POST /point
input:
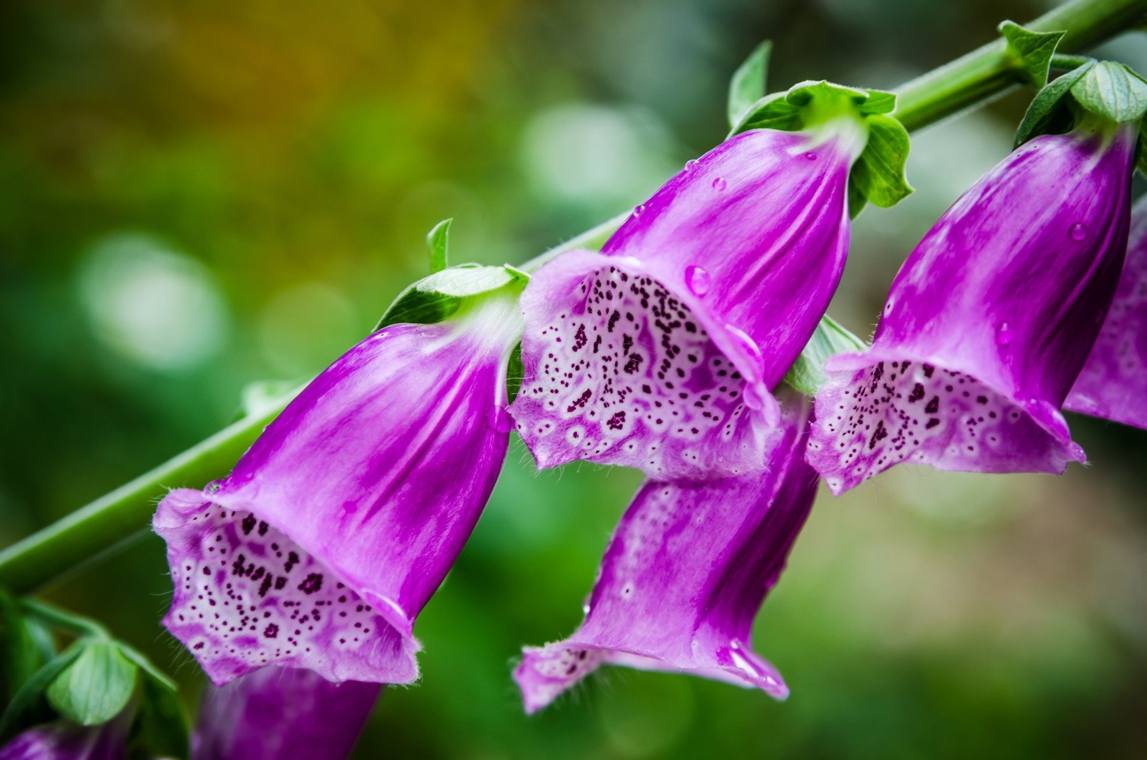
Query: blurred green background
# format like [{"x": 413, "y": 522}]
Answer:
[{"x": 195, "y": 195}]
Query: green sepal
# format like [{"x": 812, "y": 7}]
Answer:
[
  {"x": 25, "y": 646},
  {"x": 1031, "y": 51},
  {"x": 799, "y": 106},
  {"x": 438, "y": 241},
  {"x": 856, "y": 200},
  {"x": 1113, "y": 91},
  {"x": 28, "y": 706},
  {"x": 161, "y": 727},
  {"x": 830, "y": 338},
  {"x": 96, "y": 687},
  {"x": 1048, "y": 111},
  {"x": 750, "y": 82},
  {"x": 878, "y": 175},
  {"x": 437, "y": 297}
]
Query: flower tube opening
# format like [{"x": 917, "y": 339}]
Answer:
[
  {"x": 336, "y": 527},
  {"x": 988, "y": 322},
  {"x": 683, "y": 577},
  {"x": 661, "y": 351}
]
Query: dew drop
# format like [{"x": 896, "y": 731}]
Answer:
[
  {"x": 638, "y": 210},
  {"x": 810, "y": 156},
  {"x": 697, "y": 279},
  {"x": 213, "y": 487},
  {"x": 690, "y": 165},
  {"x": 1004, "y": 334},
  {"x": 719, "y": 184},
  {"x": 1077, "y": 232}
]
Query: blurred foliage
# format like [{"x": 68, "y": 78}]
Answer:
[{"x": 198, "y": 194}]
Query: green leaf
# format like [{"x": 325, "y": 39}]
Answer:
[
  {"x": 807, "y": 373},
  {"x": 856, "y": 200},
  {"x": 514, "y": 372},
  {"x": 878, "y": 174},
  {"x": 438, "y": 240},
  {"x": 25, "y": 646},
  {"x": 1048, "y": 111},
  {"x": 160, "y": 726},
  {"x": 1031, "y": 51},
  {"x": 435, "y": 298},
  {"x": 96, "y": 687},
  {"x": 878, "y": 101},
  {"x": 27, "y": 707},
  {"x": 749, "y": 82},
  {"x": 1113, "y": 91}
]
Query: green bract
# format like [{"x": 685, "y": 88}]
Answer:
[
  {"x": 1031, "y": 51},
  {"x": 438, "y": 240},
  {"x": 1105, "y": 89},
  {"x": 96, "y": 687},
  {"x": 442, "y": 294},
  {"x": 807, "y": 373},
  {"x": 749, "y": 82}
]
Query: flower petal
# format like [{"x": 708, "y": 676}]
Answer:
[
  {"x": 247, "y": 596},
  {"x": 660, "y": 352},
  {"x": 987, "y": 323},
  {"x": 630, "y": 376},
  {"x": 684, "y": 575},
  {"x": 878, "y": 409},
  {"x": 283, "y": 712},
  {"x": 1113, "y": 383}
]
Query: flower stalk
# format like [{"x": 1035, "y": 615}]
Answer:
[{"x": 118, "y": 518}]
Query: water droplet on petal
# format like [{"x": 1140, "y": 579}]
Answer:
[
  {"x": 697, "y": 279},
  {"x": 213, "y": 487},
  {"x": 810, "y": 156},
  {"x": 690, "y": 164},
  {"x": 1004, "y": 334},
  {"x": 719, "y": 184},
  {"x": 888, "y": 307},
  {"x": 638, "y": 210},
  {"x": 1078, "y": 232}
]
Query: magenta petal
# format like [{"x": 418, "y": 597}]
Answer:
[
  {"x": 281, "y": 713},
  {"x": 683, "y": 577},
  {"x": 659, "y": 353},
  {"x": 987, "y": 323},
  {"x": 247, "y": 596},
  {"x": 1113, "y": 383},
  {"x": 67, "y": 741},
  {"x": 374, "y": 476}
]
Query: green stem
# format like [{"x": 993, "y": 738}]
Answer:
[
  {"x": 988, "y": 71},
  {"x": 115, "y": 519}
]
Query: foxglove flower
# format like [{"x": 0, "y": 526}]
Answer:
[
  {"x": 988, "y": 322},
  {"x": 684, "y": 575},
  {"x": 660, "y": 351},
  {"x": 1113, "y": 383},
  {"x": 282, "y": 712},
  {"x": 63, "y": 740},
  {"x": 339, "y": 523}
]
